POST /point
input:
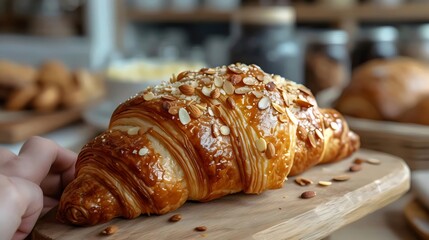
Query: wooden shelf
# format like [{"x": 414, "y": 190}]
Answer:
[
  {"x": 304, "y": 13},
  {"x": 198, "y": 15}
]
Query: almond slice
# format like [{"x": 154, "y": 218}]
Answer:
[
  {"x": 250, "y": 81},
  {"x": 228, "y": 87},
  {"x": 257, "y": 94},
  {"x": 278, "y": 108},
  {"x": 187, "y": 89},
  {"x": 242, "y": 90},
  {"x": 271, "y": 151},
  {"x": 264, "y": 103},
  {"x": 206, "y": 91},
  {"x": 194, "y": 111},
  {"x": 261, "y": 145},
  {"x": 184, "y": 116},
  {"x": 224, "y": 130},
  {"x": 148, "y": 96}
]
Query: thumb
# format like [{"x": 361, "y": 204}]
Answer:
[{"x": 22, "y": 202}]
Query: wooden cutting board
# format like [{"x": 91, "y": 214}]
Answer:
[
  {"x": 18, "y": 126},
  {"x": 275, "y": 214}
]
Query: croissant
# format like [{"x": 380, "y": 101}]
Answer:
[{"x": 199, "y": 137}]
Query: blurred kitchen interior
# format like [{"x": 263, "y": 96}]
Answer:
[
  {"x": 315, "y": 42},
  {"x": 304, "y": 36}
]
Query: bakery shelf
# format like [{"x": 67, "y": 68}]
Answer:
[{"x": 305, "y": 13}]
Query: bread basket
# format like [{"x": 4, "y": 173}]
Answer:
[{"x": 406, "y": 140}]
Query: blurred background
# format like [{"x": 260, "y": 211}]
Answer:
[{"x": 66, "y": 64}]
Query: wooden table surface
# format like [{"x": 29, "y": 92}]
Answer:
[{"x": 275, "y": 214}]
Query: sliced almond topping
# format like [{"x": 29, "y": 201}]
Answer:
[
  {"x": 215, "y": 130},
  {"x": 260, "y": 77},
  {"x": 264, "y": 103},
  {"x": 334, "y": 125},
  {"x": 133, "y": 130},
  {"x": 216, "y": 102},
  {"x": 234, "y": 69},
  {"x": 143, "y": 151},
  {"x": 242, "y": 90},
  {"x": 148, "y": 96},
  {"x": 173, "y": 78},
  {"x": 341, "y": 178},
  {"x": 206, "y": 91},
  {"x": 228, "y": 87},
  {"x": 373, "y": 161},
  {"x": 182, "y": 75},
  {"x": 267, "y": 79},
  {"x": 210, "y": 111},
  {"x": 231, "y": 103},
  {"x": 206, "y": 81},
  {"x": 285, "y": 98},
  {"x": 112, "y": 229},
  {"x": 168, "y": 98},
  {"x": 250, "y": 81},
  {"x": 235, "y": 79},
  {"x": 194, "y": 111},
  {"x": 303, "y": 181},
  {"x": 216, "y": 111},
  {"x": 257, "y": 94},
  {"x": 201, "y": 106},
  {"x": 261, "y": 145},
  {"x": 187, "y": 89},
  {"x": 303, "y": 102},
  {"x": 271, "y": 151},
  {"x": 173, "y": 110},
  {"x": 283, "y": 118},
  {"x": 319, "y": 134},
  {"x": 209, "y": 71},
  {"x": 184, "y": 116},
  {"x": 215, "y": 93},
  {"x": 325, "y": 183},
  {"x": 278, "y": 108},
  {"x": 291, "y": 116},
  {"x": 312, "y": 139},
  {"x": 271, "y": 86},
  {"x": 224, "y": 130},
  {"x": 304, "y": 90},
  {"x": 218, "y": 82}
]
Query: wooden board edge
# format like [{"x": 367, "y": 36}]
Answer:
[{"x": 390, "y": 192}]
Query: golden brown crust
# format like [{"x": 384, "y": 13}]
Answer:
[{"x": 204, "y": 135}]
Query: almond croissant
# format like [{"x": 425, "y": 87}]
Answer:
[{"x": 204, "y": 135}]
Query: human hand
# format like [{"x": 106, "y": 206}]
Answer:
[{"x": 31, "y": 184}]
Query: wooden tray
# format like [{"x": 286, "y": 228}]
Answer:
[
  {"x": 275, "y": 214},
  {"x": 418, "y": 218},
  {"x": 18, "y": 126}
]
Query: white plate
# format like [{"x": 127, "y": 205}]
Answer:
[{"x": 99, "y": 115}]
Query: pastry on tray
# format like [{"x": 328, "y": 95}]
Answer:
[
  {"x": 391, "y": 90},
  {"x": 51, "y": 87},
  {"x": 199, "y": 137}
]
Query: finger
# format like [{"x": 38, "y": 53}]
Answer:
[
  {"x": 21, "y": 204},
  {"x": 6, "y": 156},
  {"x": 52, "y": 186},
  {"x": 35, "y": 159}
]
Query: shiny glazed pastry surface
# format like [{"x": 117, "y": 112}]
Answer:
[{"x": 199, "y": 137}]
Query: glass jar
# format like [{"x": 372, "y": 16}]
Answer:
[
  {"x": 375, "y": 42},
  {"x": 415, "y": 42},
  {"x": 327, "y": 62},
  {"x": 264, "y": 36}
]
